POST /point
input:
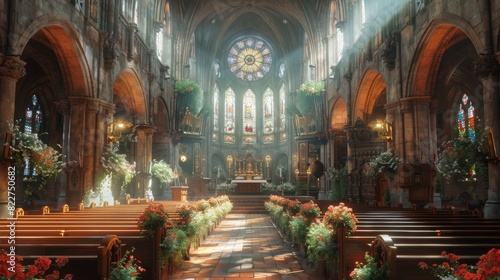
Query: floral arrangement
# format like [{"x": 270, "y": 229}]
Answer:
[
  {"x": 320, "y": 244},
  {"x": 186, "y": 211},
  {"x": 311, "y": 88},
  {"x": 459, "y": 156},
  {"x": 310, "y": 211},
  {"x": 487, "y": 268},
  {"x": 370, "y": 270},
  {"x": 202, "y": 205},
  {"x": 154, "y": 216},
  {"x": 191, "y": 96},
  {"x": 384, "y": 162},
  {"x": 115, "y": 163},
  {"x": 46, "y": 161},
  {"x": 127, "y": 268},
  {"x": 298, "y": 228},
  {"x": 340, "y": 216},
  {"x": 294, "y": 207},
  {"x": 42, "y": 268},
  {"x": 162, "y": 171},
  {"x": 175, "y": 246},
  {"x": 186, "y": 86},
  {"x": 226, "y": 187}
]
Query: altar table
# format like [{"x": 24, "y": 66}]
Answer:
[{"x": 248, "y": 186}]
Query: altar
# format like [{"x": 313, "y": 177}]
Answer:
[{"x": 248, "y": 186}]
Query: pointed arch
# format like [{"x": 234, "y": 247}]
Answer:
[
  {"x": 129, "y": 90},
  {"x": 370, "y": 92},
  {"x": 338, "y": 115}
]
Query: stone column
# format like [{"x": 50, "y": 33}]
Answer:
[
  {"x": 143, "y": 158},
  {"x": 487, "y": 68},
  {"x": 87, "y": 137},
  {"x": 11, "y": 70}
]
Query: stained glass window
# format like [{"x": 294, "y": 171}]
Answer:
[
  {"x": 268, "y": 115},
  {"x": 159, "y": 44},
  {"x": 340, "y": 44},
  {"x": 33, "y": 119},
  {"x": 250, "y": 59},
  {"x": 466, "y": 123},
  {"x": 249, "y": 120},
  {"x": 282, "y": 115},
  {"x": 215, "y": 135},
  {"x": 229, "y": 119}
]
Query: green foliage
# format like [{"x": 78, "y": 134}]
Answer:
[
  {"x": 115, "y": 163},
  {"x": 44, "y": 159},
  {"x": 191, "y": 96},
  {"x": 457, "y": 157},
  {"x": 384, "y": 162},
  {"x": 339, "y": 179},
  {"x": 320, "y": 244},
  {"x": 311, "y": 88},
  {"x": 175, "y": 246},
  {"x": 371, "y": 270},
  {"x": 162, "y": 171},
  {"x": 298, "y": 227},
  {"x": 127, "y": 268}
]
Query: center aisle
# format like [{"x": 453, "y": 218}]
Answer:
[{"x": 244, "y": 246}]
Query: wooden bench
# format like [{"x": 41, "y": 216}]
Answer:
[
  {"x": 88, "y": 258},
  {"x": 403, "y": 256},
  {"x": 418, "y": 235},
  {"x": 59, "y": 231}
]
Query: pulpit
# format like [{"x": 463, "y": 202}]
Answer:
[{"x": 179, "y": 193}]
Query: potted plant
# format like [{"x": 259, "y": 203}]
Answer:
[
  {"x": 153, "y": 217},
  {"x": 127, "y": 268},
  {"x": 190, "y": 97},
  {"x": 44, "y": 159},
  {"x": 386, "y": 163},
  {"x": 371, "y": 270},
  {"x": 307, "y": 97}
]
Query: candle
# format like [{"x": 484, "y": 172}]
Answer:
[
  {"x": 280, "y": 171},
  {"x": 218, "y": 171}
]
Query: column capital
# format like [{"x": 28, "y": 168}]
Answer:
[
  {"x": 486, "y": 65},
  {"x": 12, "y": 67}
]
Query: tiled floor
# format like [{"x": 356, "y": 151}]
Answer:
[{"x": 245, "y": 246}]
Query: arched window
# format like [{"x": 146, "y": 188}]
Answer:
[
  {"x": 466, "y": 124},
  {"x": 215, "y": 135},
  {"x": 33, "y": 120},
  {"x": 268, "y": 115},
  {"x": 340, "y": 44},
  {"x": 229, "y": 119},
  {"x": 159, "y": 44},
  {"x": 249, "y": 120},
  {"x": 282, "y": 113},
  {"x": 466, "y": 115}
]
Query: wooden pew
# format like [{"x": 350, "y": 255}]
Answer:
[
  {"x": 467, "y": 235},
  {"x": 403, "y": 256},
  {"x": 88, "y": 258}
]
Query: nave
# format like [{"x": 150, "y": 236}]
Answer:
[{"x": 245, "y": 246}]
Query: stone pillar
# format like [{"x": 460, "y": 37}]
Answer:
[
  {"x": 143, "y": 158},
  {"x": 409, "y": 132},
  {"x": 11, "y": 70},
  {"x": 86, "y": 138},
  {"x": 487, "y": 68}
]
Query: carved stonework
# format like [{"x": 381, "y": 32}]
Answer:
[
  {"x": 63, "y": 107},
  {"x": 12, "y": 67},
  {"x": 110, "y": 52},
  {"x": 389, "y": 53},
  {"x": 486, "y": 65}
]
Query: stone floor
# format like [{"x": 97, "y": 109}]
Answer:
[{"x": 245, "y": 246}]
